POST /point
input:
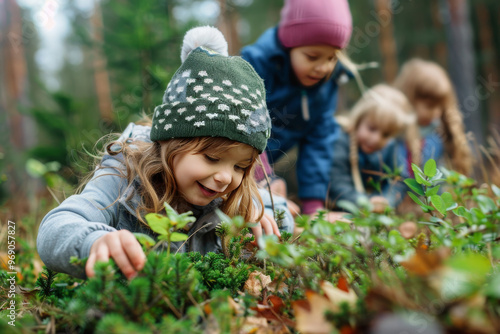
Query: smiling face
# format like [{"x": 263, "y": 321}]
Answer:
[
  {"x": 371, "y": 136},
  {"x": 204, "y": 176},
  {"x": 313, "y": 63}
]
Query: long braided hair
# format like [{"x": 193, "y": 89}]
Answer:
[
  {"x": 389, "y": 109},
  {"x": 421, "y": 79}
]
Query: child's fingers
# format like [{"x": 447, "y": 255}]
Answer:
[
  {"x": 293, "y": 207},
  {"x": 98, "y": 252},
  {"x": 257, "y": 232},
  {"x": 269, "y": 224},
  {"x": 117, "y": 244},
  {"x": 133, "y": 250},
  {"x": 89, "y": 266}
]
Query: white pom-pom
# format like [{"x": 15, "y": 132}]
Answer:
[{"x": 206, "y": 36}]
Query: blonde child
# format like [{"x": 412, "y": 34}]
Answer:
[
  {"x": 198, "y": 155},
  {"x": 298, "y": 61},
  {"x": 366, "y": 144},
  {"x": 440, "y": 122}
]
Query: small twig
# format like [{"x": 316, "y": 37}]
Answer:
[
  {"x": 195, "y": 303},
  {"x": 279, "y": 318},
  {"x": 178, "y": 249},
  {"x": 51, "y": 327},
  {"x": 53, "y": 195},
  {"x": 169, "y": 303},
  {"x": 127, "y": 306}
]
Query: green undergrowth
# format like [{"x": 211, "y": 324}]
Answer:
[{"x": 441, "y": 271}]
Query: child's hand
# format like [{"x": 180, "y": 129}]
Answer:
[
  {"x": 293, "y": 207},
  {"x": 278, "y": 187},
  {"x": 123, "y": 247},
  {"x": 380, "y": 203},
  {"x": 337, "y": 216},
  {"x": 268, "y": 224}
]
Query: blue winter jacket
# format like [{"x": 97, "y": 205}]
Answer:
[
  {"x": 105, "y": 206},
  {"x": 314, "y": 136},
  {"x": 432, "y": 148},
  {"x": 342, "y": 186}
]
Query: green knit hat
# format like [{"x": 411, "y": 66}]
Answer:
[{"x": 213, "y": 95}]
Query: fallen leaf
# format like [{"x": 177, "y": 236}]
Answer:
[
  {"x": 282, "y": 288},
  {"x": 237, "y": 308},
  {"x": 313, "y": 320},
  {"x": 267, "y": 312},
  {"x": 342, "y": 284},
  {"x": 423, "y": 263},
  {"x": 208, "y": 309},
  {"x": 254, "y": 325},
  {"x": 346, "y": 329},
  {"x": 256, "y": 282},
  {"x": 337, "y": 296},
  {"x": 276, "y": 303}
]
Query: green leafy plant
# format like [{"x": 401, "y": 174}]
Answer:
[
  {"x": 168, "y": 226},
  {"x": 338, "y": 277},
  {"x": 427, "y": 185}
]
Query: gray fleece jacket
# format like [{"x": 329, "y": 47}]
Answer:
[{"x": 105, "y": 205}]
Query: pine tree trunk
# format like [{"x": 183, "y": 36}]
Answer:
[
  {"x": 14, "y": 69},
  {"x": 228, "y": 25},
  {"x": 101, "y": 76},
  {"x": 17, "y": 131},
  {"x": 490, "y": 71},
  {"x": 462, "y": 63},
  {"x": 387, "y": 42}
]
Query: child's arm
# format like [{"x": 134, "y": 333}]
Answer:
[
  {"x": 394, "y": 192},
  {"x": 341, "y": 183},
  {"x": 432, "y": 148},
  {"x": 395, "y": 157},
  {"x": 72, "y": 228},
  {"x": 315, "y": 159}
]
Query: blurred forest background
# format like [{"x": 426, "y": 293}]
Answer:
[{"x": 116, "y": 57}]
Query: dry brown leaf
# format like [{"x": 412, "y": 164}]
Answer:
[
  {"x": 4, "y": 264},
  {"x": 282, "y": 288},
  {"x": 342, "y": 284},
  {"x": 254, "y": 325},
  {"x": 313, "y": 320},
  {"x": 237, "y": 308},
  {"x": 424, "y": 263},
  {"x": 208, "y": 309},
  {"x": 256, "y": 282},
  {"x": 337, "y": 296},
  {"x": 276, "y": 303}
]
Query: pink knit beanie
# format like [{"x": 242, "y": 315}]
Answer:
[{"x": 310, "y": 22}]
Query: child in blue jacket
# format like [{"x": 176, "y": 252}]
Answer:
[
  {"x": 440, "y": 123},
  {"x": 298, "y": 61},
  {"x": 366, "y": 144}
]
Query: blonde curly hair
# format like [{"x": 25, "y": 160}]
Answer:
[
  {"x": 389, "y": 109},
  {"x": 421, "y": 79}
]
